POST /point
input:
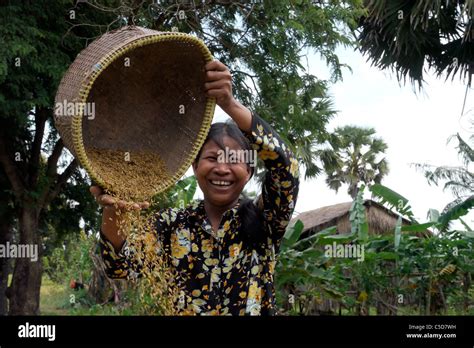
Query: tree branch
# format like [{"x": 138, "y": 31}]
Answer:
[
  {"x": 41, "y": 115},
  {"x": 11, "y": 170},
  {"x": 53, "y": 159},
  {"x": 252, "y": 78},
  {"x": 60, "y": 181}
]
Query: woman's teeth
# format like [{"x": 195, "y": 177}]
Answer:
[{"x": 220, "y": 183}]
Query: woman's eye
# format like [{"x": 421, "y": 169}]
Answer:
[{"x": 211, "y": 158}]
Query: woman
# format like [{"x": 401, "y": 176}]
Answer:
[{"x": 225, "y": 246}]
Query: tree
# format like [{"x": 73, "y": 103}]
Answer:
[
  {"x": 7, "y": 223},
  {"x": 33, "y": 59},
  {"x": 263, "y": 43},
  {"x": 408, "y": 35},
  {"x": 356, "y": 150},
  {"x": 458, "y": 179}
]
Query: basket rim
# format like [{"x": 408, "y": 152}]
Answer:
[{"x": 104, "y": 62}]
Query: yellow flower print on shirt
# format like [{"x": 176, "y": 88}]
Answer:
[
  {"x": 254, "y": 299},
  {"x": 180, "y": 243},
  {"x": 255, "y": 292},
  {"x": 234, "y": 250},
  {"x": 271, "y": 266},
  {"x": 265, "y": 154},
  {"x": 206, "y": 245},
  {"x": 294, "y": 168},
  {"x": 177, "y": 251}
]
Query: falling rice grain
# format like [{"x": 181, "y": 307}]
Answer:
[{"x": 133, "y": 177}]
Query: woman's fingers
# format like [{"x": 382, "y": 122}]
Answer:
[
  {"x": 100, "y": 197},
  {"x": 217, "y": 93},
  {"x": 95, "y": 190},
  {"x": 219, "y": 83},
  {"x": 108, "y": 201},
  {"x": 216, "y": 65},
  {"x": 218, "y": 75},
  {"x": 226, "y": 84},
  {"x": 144, "y": 205}
]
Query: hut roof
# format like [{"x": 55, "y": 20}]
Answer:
[{"x": 330, "y": 214}]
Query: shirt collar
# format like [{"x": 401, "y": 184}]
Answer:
[
  {"x": 202, "y": 210},
  {"x": 228, "y": 214}
]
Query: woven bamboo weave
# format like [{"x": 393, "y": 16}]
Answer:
[{"x": 147, "y": 88}]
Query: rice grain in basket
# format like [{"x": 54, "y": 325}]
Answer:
[{"x": 131, "y": 175}]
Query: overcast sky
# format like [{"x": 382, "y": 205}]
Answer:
[{"x": 415, "y": 126}]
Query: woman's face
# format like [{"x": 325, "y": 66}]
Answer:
[{"x": 220, "y": 181}]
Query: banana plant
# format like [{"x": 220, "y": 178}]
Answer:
[
  {"x": 437, "y": 220},
  {"x": 178, "y": 196},
  {"x": 304, "y": 273},
  {"x": 357, "y": 217},
  {"x": 393, "y": 199},
  {"x": 429, "y": 271}
]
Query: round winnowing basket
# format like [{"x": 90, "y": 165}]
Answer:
[{"x": 136, "y": 95}]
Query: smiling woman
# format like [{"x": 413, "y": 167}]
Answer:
[{"x": 223, "y": 248}]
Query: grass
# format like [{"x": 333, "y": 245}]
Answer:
[{"x": 53, "y": 298}]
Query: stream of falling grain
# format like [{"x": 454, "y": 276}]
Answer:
[{"x": 133, "y": 177}]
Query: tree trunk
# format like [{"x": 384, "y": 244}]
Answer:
[
  {"x": 428, "y": 299},
  {"x": 5, "y": 265},
  {"x": 24, "y": 293},
  {"x": 466, "y": 286}
]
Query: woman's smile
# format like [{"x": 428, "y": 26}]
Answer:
[{"x": 220, "y": 181}]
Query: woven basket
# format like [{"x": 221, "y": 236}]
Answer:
[{"x": 146, "y": 91}]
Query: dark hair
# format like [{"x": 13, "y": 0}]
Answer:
[{"x": 250, "y": 215}]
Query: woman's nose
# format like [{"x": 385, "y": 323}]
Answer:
[{"x": 222, "y": 168}]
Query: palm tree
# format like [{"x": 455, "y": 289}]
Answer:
[
  {"x": 459, "y": 180},
  {"x": 408, "y": 35},
  {"x": 356, "y": 150}
]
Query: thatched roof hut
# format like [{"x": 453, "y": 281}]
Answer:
[{"x": 380, "y": 219}]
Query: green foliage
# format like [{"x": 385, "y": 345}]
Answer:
[
  {"x": 404, "y": 271},
  {"x": 393, "y": 200},
  {"x": 178, "y": 196},
  {"x": 53, "y": 297},
  {"x": 400, "y": 204},
  {"x": 455, "y": 213},
  {"x": 353, "y": 159},
  {"x": 304, "y": 272},
  {"x": 405, "y": 36},
  {"x": 71, "y": 259},
  {"x": 357, "y": 217},
  {"x": 72, "y": 210},
  {"x": 292, "y": 234},
  {"x": 459, "y": 180}
]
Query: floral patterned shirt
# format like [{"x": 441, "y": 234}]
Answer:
[{"x": 224, "y": 274}]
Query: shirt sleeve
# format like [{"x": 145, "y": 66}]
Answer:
[
  {"x": 117, "y": 264},
  {"x": 125, "y": 263},
  {"x": 281, "y": 183}
]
